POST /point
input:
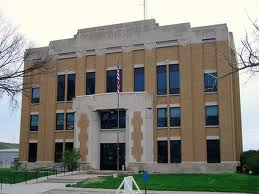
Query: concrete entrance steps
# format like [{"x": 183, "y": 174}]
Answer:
[
  {"x": 107, "y": 172},
  {"x": 72, "y": 177}
]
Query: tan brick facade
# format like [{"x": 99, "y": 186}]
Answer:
[{"x": 193, "y": 58}]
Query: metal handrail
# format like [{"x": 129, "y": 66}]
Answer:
[{"x": 54, "y": 169}]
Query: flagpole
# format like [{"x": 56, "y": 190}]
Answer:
[
  {"x": 118, "y": 136},
  {"x": 118, "y": 122}
]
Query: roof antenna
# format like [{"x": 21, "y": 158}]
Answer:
[{"x": 144, "y": 9}]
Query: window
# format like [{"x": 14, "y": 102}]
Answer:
[
  {"x": 59, "y": 121},
  {"x": 69, "y": 146},
  {"x": 210, "y": 82},
  {"x": 34, "y": 122},
  {"x": 161, "y": 117},
  {"x": 71, "y": 82},
  {"x": 61, "y": 88},
  {"x": 111, "y": 81},
  {"x": 161, "y": 80},
  {"x": 162, "y": 152},
  {"x": 174, "y": 79},
  {"x": 175, "y": 117},
  {"x": 35, "y": 95},
  {"x": 212, "y": 115},
  {"x": 58, "y": 151},
  {"x": 90, "y": 83},
  {"x": 139, "y": 81},
  {"x": 213, "y": 151},
  {"x": 32, "y": 157},
  {"x": 109, "y": 119},
  {"x": 175, "y": 148},
  {"x": 70, "y": 121}
]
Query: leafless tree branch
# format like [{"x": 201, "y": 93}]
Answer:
[
  {"x": 15, "y": 78},
  {"x": 248, "y": 54}
]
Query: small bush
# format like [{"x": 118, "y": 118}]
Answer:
[
  {"x": 250, "y": 161},
  {"x": 16, "y": 165},
  {"x": 70, "y": 159}
]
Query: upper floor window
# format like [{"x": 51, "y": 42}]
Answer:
[
  {"x": 35, "y": 95},
  {"x": 71, "y": 83},
  {"x": 109, "y": 119},
  {"x": 59, "y": 121},
  {"x": 70, "y": 121},
  {"x": 175, "y": 117},
  {"x": 61, "y": 88},
  {"x": 111, "y": 81},
  {"x": 212, "y": 115},
  {"x": 174, "y": 79},
  {"x": 139, "y": 80},
  {"x": 90, "y": 83},
  {"x": 213, "y": 151},
  {"x": 162, "y": 117},
  {"x": 34, "y": 122},
  {"x": 161, "y": 80},
  {"x": 210, "y": 82}
]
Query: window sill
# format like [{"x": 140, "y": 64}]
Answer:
[
  {"x": 174, "y": 94},
  {"x": 162, "y": 128},
  {"x": 33, "y": 131},
  {"x": 164, "y": 95},
  {"x": 59, "y": 102},
  {"x": 178, "y": 127},
  {"x": 211, "y": 92},
  {"x": 211, "y": 126},
  {"x": 63, "y": 130},
  {"x": 121, "y": 129},
  {"x": 35, "y": 104}
]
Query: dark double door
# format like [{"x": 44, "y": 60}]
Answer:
[{"x": 108, "y": 156}]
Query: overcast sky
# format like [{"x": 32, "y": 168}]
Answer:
[{"x": 43, "y": 21}]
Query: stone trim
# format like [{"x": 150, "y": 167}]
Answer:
[
  {"x": 211, "y": 103},
  {"x": 33, "y": 141},
  {"x": 174, "y": 105},
  {"x": 138, "y": 65},
  {"x": 34, "y": 113},
  {"x": 212, "y": 137},
  {"x": 162, "y": 139},
  {"x": 175, "y": 138}
]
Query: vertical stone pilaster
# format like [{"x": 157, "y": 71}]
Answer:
[
  {"x": 137, "y": 136},
  {"x": 83, "y": 136},
  {"x": 186, "y": 103},
  {"x": 198, "y": 113},
  {"x": 100, "y": 85}
]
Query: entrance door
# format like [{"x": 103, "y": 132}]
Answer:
[{"x": 108, "y": 156}]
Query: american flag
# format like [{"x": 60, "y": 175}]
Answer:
[{"x": 118, "y": 78}]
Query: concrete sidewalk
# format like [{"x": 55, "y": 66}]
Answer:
[
  {"x": 31, "y": 188},
  {"x": 112, "y": 191}
]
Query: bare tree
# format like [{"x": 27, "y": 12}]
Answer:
[
  {"x": 13, "y": 51},
  {"x": 248, "y": 55}
]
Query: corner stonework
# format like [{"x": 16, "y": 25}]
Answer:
[
  {"x": 137, "y": 136},
  {"x": 83, "y": 136}
]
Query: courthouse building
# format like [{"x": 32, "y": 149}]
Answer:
[{"x": 175, "y": 114}]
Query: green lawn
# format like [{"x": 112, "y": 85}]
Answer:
[
  {"x": 8, "y": 146},
  {"x": 186, "y": 182},
  {"x": 11, "y": 176}
]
